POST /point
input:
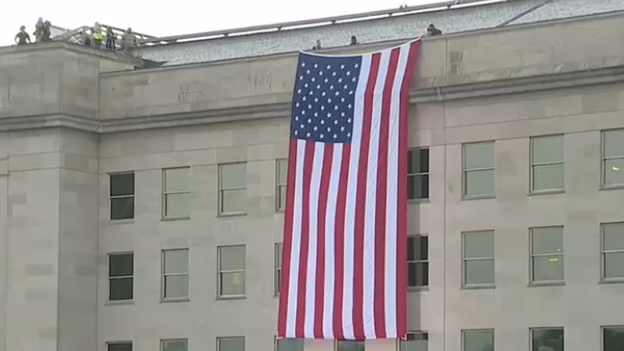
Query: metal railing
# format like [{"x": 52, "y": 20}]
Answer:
[{"x": 445, "y": 5}]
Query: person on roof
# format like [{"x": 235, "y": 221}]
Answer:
[
  {"x": 318, "y": 45},
  {"x": 22, "y": 37},
  {"x": 128, "y": 41},
  {"x": 110, "y": 38},
  {"x": 46, "y": 34},
  {"x": 432, "y": 30},
  {"x": 39, "y": 30},
  {"x": 96, "y": 31},
  {"x": 353, "y": 40}
]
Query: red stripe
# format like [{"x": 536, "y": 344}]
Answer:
[
  {"x": 326, "y": 173},
  {"x": 360, "y": 202},
  {"x": 402, "y": 191},
  {"x": 287, "y": 246},
  {"x": 308, "y": 159},
  {"x": 380, "y": 207},
  {"x": 341, "y": 203}
]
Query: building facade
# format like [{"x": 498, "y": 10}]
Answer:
[{"x": 140, "y": 209}]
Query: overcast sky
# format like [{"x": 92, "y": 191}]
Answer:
[{"x": 176, "y": 17}]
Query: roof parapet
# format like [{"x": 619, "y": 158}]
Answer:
[{"x": 276, "y": 27}]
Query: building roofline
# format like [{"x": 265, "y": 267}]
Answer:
[{"x": 317, "y": 22}]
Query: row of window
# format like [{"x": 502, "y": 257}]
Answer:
[
  {"x": 549, "y": 338},
  {"x": 478, "y": 261},
  {"x": 478, "y": 180}
]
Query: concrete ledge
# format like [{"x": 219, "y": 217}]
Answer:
[
  {"x": 282, "y": 110},
  {"x": 61, "y": 45}
]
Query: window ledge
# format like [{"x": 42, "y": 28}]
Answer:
[
  {"x": 546, "y": 283},
  {"x": 546, "y": 192},
  {"x": 478, "y": 197},
  {"x": 232, "y": 214},
  {"x": 612, "y": 187},
  {"x": 120, "y": 221},
  {"x": 417, "y": 288},
  {"x": 119, "y": 303},
  {"x": 418, "y": 201},
  {"x": 225, "y": 298},
  {"x": 169, "y": 219},
  {"x": 183, "y": 299},
  {"x": 478, "y": 287},
  {"x": 612, "y": 281}
]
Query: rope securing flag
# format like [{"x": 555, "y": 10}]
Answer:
[{"x": 343, "y": 272}]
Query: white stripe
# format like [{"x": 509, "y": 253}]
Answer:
[
  {"x": 315, "y": 184},
  {"x": 330, "y": 235},
  {"x": 371, "y": 197},
  {"x": 391, "y": 198},
  {"x": 358, "y": 115},
  {"x": 293, "y": 293}
]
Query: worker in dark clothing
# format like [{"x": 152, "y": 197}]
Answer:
[
  {"x": 22, "y": 37},
  {"x": 110, "y": 38},
  {"x": 432, "y": 30},
  {"x": 353, "y": 40}
]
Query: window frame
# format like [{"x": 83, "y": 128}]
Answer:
[
  {"x": 413, "y": 332},
  {"x": 119, "y": 342},
  {"x": 219, "y": 338},
  {"x": 532, "y": 255},
  {"x": 109, "y": 278},
  {"x": 164, "y": 275},
  {"x": 221, "y": 272},
  {"x": 466, "y": 170},
  {"x": 277, "y": 271},
  {"x": 603, "y": 328},
  {"x": 603, "y": 254},
  {"x": 463, "y": 336},
  {"x": 464, "y": 284},
  {"x": 221, "y": 190},
  {"x": 531, "y": 330},
  {"x": 163, "y": 341},
  {"x": 279, "y": 207},
  {"x": 533, "y": 164},
  {"x": 165, "y": 193},
  {"x": 337, "y": 343},
  {"x": 419, "y": 261},
  {"x": 604, "y": 158},
  {"x": 420, "y": 174},
  {"x": 276, "y": 340},
  {"x": 111, "y": 197}
]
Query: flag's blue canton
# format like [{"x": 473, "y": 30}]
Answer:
[{"x": 324, "y": 98}]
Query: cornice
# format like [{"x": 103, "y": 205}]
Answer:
[{"x": 541, "y": 83}]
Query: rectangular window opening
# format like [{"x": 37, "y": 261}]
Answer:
[
  {"x": 418, "y": 174},
  {"x": 121, "y": 195},
  {"x": 231, "y": 271},
  {"x": 417, "y": 261},
  {"x": 478, "y": 169},
  {"x": 546, "y": 254},
  {"x": 176, "y": 192},
  {"x": 175, "y": 280},
  {"x": 478, "y": 258},
  {"x": 233, "y": 188},
  {"x": 120, "y": 276},
  {"x": 547, "y": 165}
]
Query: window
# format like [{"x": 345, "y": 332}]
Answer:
[
  {"x": 613, "y": 251},
  {"x": 121, "y": 196},
  {"x": 550, "y": 339},
  {"x": 612, "y": 338},
  {"x": 280, "y": 179},
  {"x": 415, "y": 341},
  {"x": 278, "y": 268},
  {"x": 546, "y": 254},
  {"x": 174, "y": 345},
  {"x": 478, "y": 340},
  {"x": 175, "y": 274},
  {"x": 418, "y": 174},
  {"x": 119, "y": 346},
  {"x": 478, "y": 258},
  {"x": 233, "y": 188},
  {"x": 478, "y": 169},
  {"x": 176, "y": 193},
  {"x": 289, "y": 345},
  {"x": 613, "y": 158},
  {"x": 120, "y": 276},
  {"x": 417, "y": 260},
  {"x": 231, "y": 271},
  {"x": 547, "y": 163},
  {"x": 231, "y": 344},
  {"x": 350, "y": 345}
]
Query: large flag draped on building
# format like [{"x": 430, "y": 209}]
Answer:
[{"x": 344, "y": 265}]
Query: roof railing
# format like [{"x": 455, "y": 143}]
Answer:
[{"x": 276, "y": 27}]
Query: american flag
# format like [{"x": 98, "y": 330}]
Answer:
[{"x": 343, "y": 270}]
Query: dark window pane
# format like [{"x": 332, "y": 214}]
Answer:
[
  {"x": 424, "y": 248},
  {"x": 417, "y": 248},
  {"x": 613, "y": 339},
  {"x": 418, "y": 161},
  {"x": 122, "y": 208},
  {"x": 120, "y": 289},
  {"x": 547, "y": 339},
  {"x": 348, "y": 345},
  {"x": 290, "y": 345},
  {"x": 122, "y": 184},
  {"x": 126, "y": 346},
  {"x": 418, "y": 186},
  {"x": 120, "y": 265},
  {"x": 418, "y": 274},
  {"x": 415, "y": 342},
  {"x": 478, "y": 340}
]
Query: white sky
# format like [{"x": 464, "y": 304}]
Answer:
[{"x": 176, "y": 17}]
